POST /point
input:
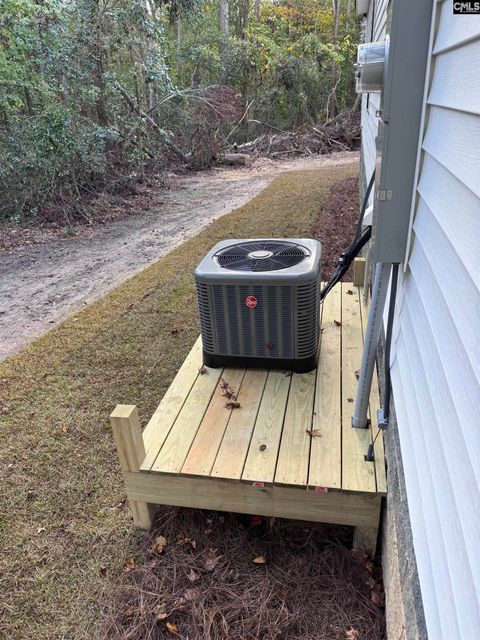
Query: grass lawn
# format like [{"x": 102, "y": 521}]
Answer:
[{"x": 66, "y": 532}]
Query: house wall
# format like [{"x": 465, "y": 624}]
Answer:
[{"x": 435, "y": 362}]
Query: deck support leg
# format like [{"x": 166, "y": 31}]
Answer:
[
  {"x": 131, "y": 452},
  {"x": 365, "y": 538}
]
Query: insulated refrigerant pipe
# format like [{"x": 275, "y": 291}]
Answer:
[{"x": 372, "y": 336}]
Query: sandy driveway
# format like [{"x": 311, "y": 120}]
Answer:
[{"x": 41, "y": 284}]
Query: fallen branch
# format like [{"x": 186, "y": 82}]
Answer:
[{"x": 168, "y": 143}]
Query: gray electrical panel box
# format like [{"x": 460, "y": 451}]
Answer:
[{"x": 399, "y": 133}]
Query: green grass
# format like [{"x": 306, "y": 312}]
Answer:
[{"x": 66, "y": 532}]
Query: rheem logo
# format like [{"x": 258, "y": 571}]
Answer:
[{"x": 251, "y": 302}]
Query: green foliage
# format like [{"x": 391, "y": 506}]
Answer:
[{"x": 94, "y": 90}]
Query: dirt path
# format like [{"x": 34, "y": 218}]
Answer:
[{"x": 42, "y": 284}]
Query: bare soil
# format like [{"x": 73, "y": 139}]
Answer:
[{"x": 47, "y": 275}]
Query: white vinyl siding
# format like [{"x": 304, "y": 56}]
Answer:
[
  {"x": 436, "y": 352},
  {"x": 376, "y": 30}
]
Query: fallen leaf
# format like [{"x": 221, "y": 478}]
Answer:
[
  {"x": 203, "y": 370},
  {"x": 160, "y": 544},
  {"x": 314, "y": 433},
  {"x": 129, "y": 566},
  {"x": 40, "y": 530},
  {"x": 31, "y": 495},
  {"x": 193, "y": 576},
  {"x": 161, "y": 615},
  {"x": 259, "y": 560},
  {"x": 350, "y": 292},
  {"x": 337, "y": 323},
  {"x": 351, "y": 634},
  {"x": 172, "y": 628},
  {"x": 228, "y": 391},
  {"x": 211, "y": 560},
  {"x": 191, "y": 594},
  {"x": 181, "y": 539},
  {"x": 262, "y": 447},
  {"x": 357, "y": 374},
  {"x": 103, "y": 570},
  {"x": 64, "y": 428},
  {"x": 174, "y": 332},
  {"x": 256, "y": 521},
  {"x": 232, "y": 404},
  {"x": 349, "y": 399}
]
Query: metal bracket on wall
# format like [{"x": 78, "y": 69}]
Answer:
[{"x": 384, "y": 194}]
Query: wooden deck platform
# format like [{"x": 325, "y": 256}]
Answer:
[{"x": 288, "y": 450}]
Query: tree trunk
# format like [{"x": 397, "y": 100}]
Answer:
[
  {"x": 256, "y": 9},
  {"x": 224, "y": 17},
  {"x": 332, "y": 98}
]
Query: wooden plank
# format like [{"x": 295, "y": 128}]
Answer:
[
  {"x": 358, "y": 271},
  {"x": 378, "y": 447},
  {"x": 162, "y": 420},
  {"x": 326, "y": 450},
  {"x": 284, "y": 502},
  {"x": 294, "y": 453},
  {"x": 236, "y": 440},
  {"x": 128, "y": 440},
  {"x": 207, "y": 440},
  {"x": 357, "y": 474},
  {"x": 263, "y": 450},
  {"x": 177, "y": 444}
]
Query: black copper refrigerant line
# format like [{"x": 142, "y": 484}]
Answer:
[
  {"x": 388, "y": 345},
  {"x": 359, "y": 241}
]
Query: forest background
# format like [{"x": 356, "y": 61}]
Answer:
[{"x": 95, "y": 95}]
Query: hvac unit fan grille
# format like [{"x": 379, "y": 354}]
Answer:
[{"x": 261, "y": 256}]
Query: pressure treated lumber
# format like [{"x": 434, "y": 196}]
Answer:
[
  {"x": 233, "y": 450},
  {"x": 283, "y": 502},
  {"x": 207, "y": 440},
  {"x": 326, "y": 446},
  {"x": 357, "y": 474},
  {"x": 177, "y": 444},
  {"x": 358, "y": 271},
  {"x": 165, "y": 415},
  {"x": 263, "y": 451},
  {"x": 131, "y": 451},
  {"x": 293, "y": 456},
  {"x": 287, "y": 451}
]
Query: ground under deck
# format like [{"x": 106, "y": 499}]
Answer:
[{"x": 288, "y": 450}]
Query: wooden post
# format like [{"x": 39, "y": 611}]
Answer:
[
  {"x": 131, "y": 452},
  {"x": 358, "y": 271},
  {"x": 365, "y": 538}
]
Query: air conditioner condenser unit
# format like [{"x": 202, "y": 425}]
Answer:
[{"x": 259, "y": 302}]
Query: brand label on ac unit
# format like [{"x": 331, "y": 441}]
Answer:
[{"x": 251, "y": 302}]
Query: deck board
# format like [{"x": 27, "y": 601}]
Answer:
[
  {"x": 263, "y": 452},
  {"x": 202, "y": 454},
  {"x": 177, "y": 444},
  {"x": 162, "y": 420},
  {"x": 266, "y": 441},
  {"x": 233, "y": 450},
  {"x": 357, "y": 474},
  {"x": 294, "y": 453},
  {"x": 326, "y": 446}
]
